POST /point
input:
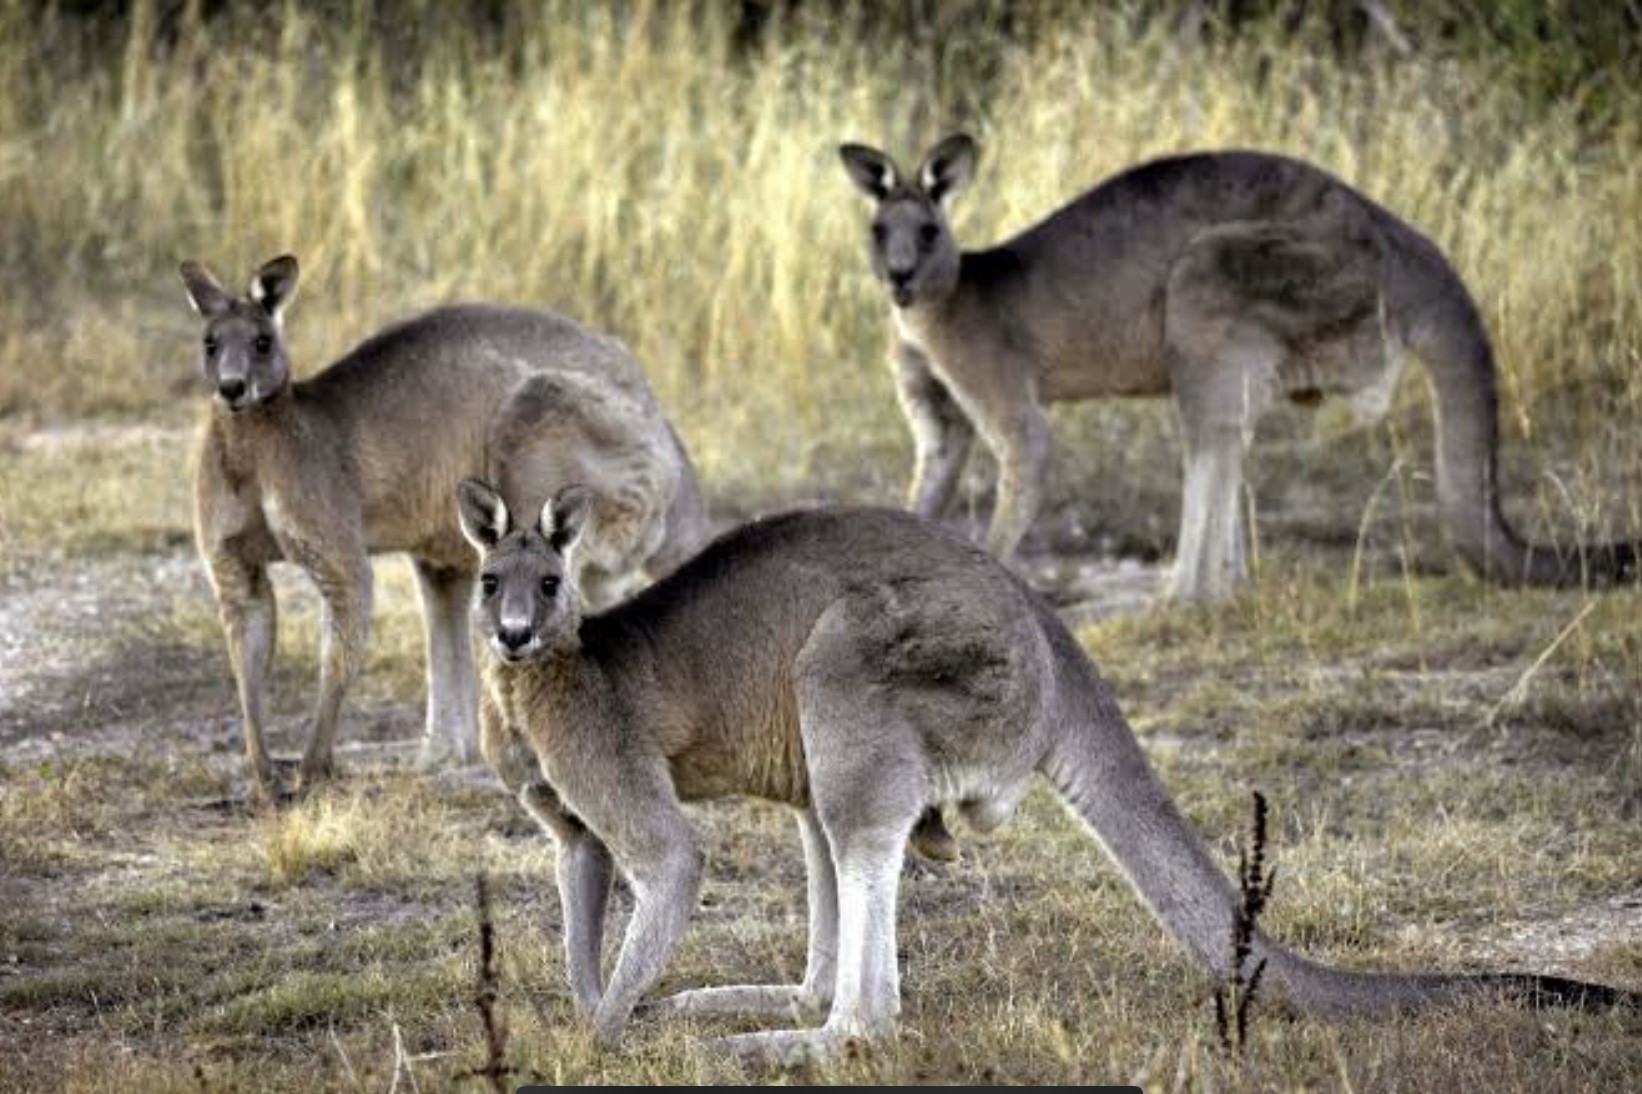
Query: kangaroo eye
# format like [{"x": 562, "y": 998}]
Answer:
[
  {"x": 264, "y": 343},
  {"x": 879, "y": 233},
  {"x": 210, "y": 346},
  {"x": 488, "y": 584},
  {"x": 928, "y": 234},
  {"x": 550, "y": 587}
]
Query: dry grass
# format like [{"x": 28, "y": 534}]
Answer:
[
  {"x": 152, "y": 935},
  {"x": 628, "y": 166},
  {"x": 151, "y": 932},
  {"x": 1446, "y": 762}
]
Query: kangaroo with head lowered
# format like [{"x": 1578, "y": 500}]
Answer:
[
  {"x": 363, "y": 459},
  {"x": 862, "y": 667},
  {"x": 1228, "y": 280}
]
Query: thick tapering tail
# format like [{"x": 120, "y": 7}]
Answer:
[
  {"x": 1535, "y": 992},
  {"x": 1104, "y": 777},
  {"x": 1338, "y": 993},
  {"x": 1434, "y": 315}
]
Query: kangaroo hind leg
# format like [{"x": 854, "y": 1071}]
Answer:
[
  {"x": 1220, "y": 393},
  {"x": 343, "y": 575},
  {"x": 452, "y": 727},
  {"x": 867, "y": 783},
  {"x": 791, "y": 1001}
]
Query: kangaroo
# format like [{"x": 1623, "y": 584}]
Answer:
[
  {"x": 1229, "y": 279},
  {"x": 363, "y": 457},
  {"x": 860, "y": 666}
]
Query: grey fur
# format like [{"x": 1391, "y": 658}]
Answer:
[
  {"x": 862, "y": 667},
  {"x": 1228, "y": 280},
  {"x": 363, "y": 458}
]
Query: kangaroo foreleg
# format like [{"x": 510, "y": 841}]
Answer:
[
  {"x": 1019, "y": 437},
  {"x": 941, "y": 434},
  {"x": 584, "y": 875},
  {"x": 584, "y": 870},
  {"x": 249, "y": 614}
]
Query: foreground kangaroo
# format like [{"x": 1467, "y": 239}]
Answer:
[
  {"x": 1227, "y": 279},
  {"x": 861, "y": 666},
  {"x": 364, "y": 457}
]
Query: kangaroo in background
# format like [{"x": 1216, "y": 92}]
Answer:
[
  {"x": 363, "y": 459},
  {"x": 1228, "y": 279},
  {"x": 862, "y": 667}
]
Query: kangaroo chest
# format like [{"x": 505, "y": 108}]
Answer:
[
  {"x": 1068, "y": 353},
  {"x": 967, "y": 357}
]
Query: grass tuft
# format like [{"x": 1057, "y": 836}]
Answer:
[{"x": 318, "y": 837}]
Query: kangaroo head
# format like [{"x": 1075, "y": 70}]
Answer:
[
  {"x": 913, "y": 250},
  {"x": 243, "y": 350},
  {"x": 527, "y": 602}
]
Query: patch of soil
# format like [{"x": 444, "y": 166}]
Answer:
[
  {"x": 1562, "y": 944},
  {"x": 58, "y": 668}
]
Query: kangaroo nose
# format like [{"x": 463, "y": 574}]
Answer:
[
  {"x": 900, "y": 278},
  {"x": 513, "y": 639},
  {"x": 231, "y": 389}
]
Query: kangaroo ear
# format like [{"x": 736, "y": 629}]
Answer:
[
  {"x": 948, "y": 167},
  {"x": 565, "y": 516},
  {"x": 275, "y": 284},
  {"x": 873, "y": 173},
  {"x": 204, "y": 292},
  {"x": 483, "y": 514}
]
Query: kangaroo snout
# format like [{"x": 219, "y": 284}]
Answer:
[
  {"x": 900, "y": 285},
  {"x": 231, "y": 390},
  {"x": 513, "y": 644}
]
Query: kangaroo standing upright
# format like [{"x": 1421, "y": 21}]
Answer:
[
  {"x": 363, "y": 458},
  {"x": 862, "y": 667},
  {"x": 1228, "y": 279}
]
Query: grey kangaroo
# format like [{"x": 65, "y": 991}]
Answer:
[
  {"x": 862, "y": 667},
  {"x": 1227, "y": 279},
  {"x": 363, "y": 459}
]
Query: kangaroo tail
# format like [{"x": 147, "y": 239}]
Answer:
[
  {"x": 1105, "y": 779},
  {"x": 1439, "y": 321},
  {"x": 1535, "y": 991}
]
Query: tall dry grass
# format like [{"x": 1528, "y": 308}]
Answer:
[{"x": 632, "y": 167}]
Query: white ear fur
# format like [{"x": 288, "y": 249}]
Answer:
[
  {"x": 948, "y": 167},
  {"x": 274, "y": 285},
  {"x": 482, "y": 514},
  {"x": 205, "y": 295},
  {"x": 872, "y": 172},
  {"x": 564, "y": 517}
]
